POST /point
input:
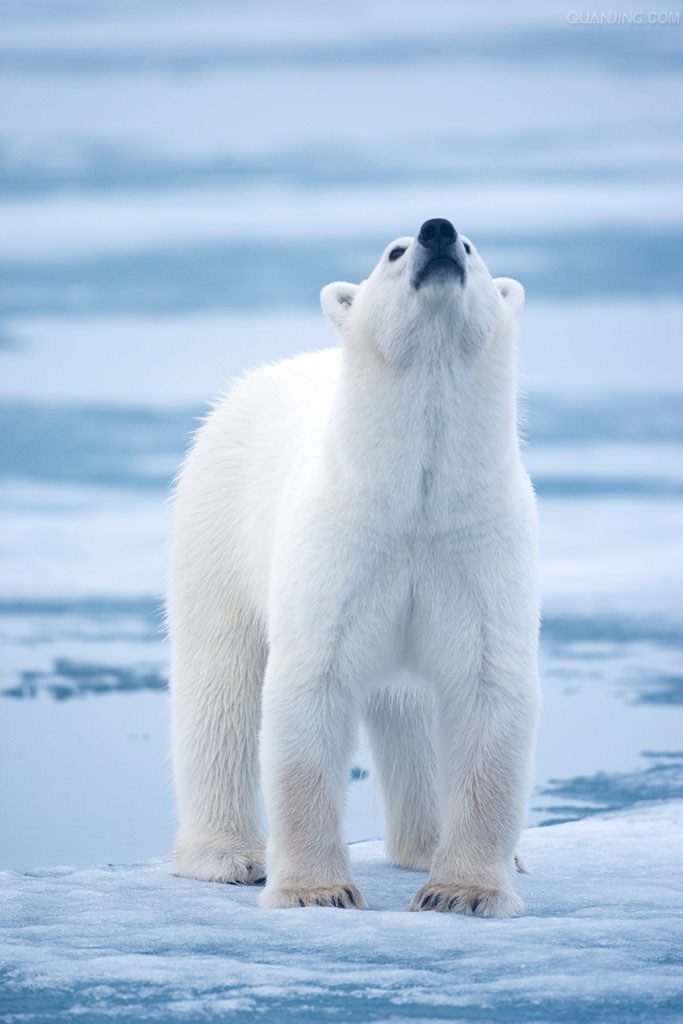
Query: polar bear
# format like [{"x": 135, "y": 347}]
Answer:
[{"x": 354, "y": 540}]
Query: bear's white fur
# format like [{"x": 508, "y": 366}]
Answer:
[{"x": 355, "y": 541}]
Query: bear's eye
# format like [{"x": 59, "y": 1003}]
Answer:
[
  {"x": 468, "y": 248},
  {"x": 396, "y": 253}
]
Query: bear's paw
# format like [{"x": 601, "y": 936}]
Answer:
[
  {"x": 211, "y": 862},
  {"x": 475, "y": 900},
  {"x": 343, "y": 895}
]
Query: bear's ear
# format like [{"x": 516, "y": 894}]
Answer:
[
  {"x": 336, "y": 300},
  {"x": 511, "y": 291}
]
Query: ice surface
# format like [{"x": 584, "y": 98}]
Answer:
[
  {"x": 294, "y": 136},
  {"x": 600, "y": 941},
  {"x": 183, "y": 30},
  {"x": 600, "y": 351},
  {"x": 35, "y": 229},
  {"x": 395, "y": 88}
]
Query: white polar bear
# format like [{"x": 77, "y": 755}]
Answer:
[{"x": 355, "y": 539}]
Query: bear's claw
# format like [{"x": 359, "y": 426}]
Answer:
[{"x": 252, "y": 871}]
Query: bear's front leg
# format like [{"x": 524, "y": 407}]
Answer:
[
  {"x": 307, "y": 738},
  {"x": 484, "y": 669},
  {"x": 485, "y": 745}
]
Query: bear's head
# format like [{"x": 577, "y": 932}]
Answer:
[{"x": 428, "y": 292}]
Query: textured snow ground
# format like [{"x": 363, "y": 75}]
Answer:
[{"x": 600, "y": 941}]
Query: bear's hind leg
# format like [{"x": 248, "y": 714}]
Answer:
[
  {"x": 218, "y": 661},
  {"x": 400, "y": 729}
]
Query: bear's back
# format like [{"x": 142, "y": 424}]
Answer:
[{"x": 231, "y": 482}]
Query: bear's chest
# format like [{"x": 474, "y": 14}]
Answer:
[{"x": 400, "y": 598}]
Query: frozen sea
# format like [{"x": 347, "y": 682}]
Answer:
[{"x": 177, "y": 182}]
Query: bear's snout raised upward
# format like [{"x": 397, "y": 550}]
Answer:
[
  {"x": 439, "y": 254},
  {"x": 437, "y": 234}
]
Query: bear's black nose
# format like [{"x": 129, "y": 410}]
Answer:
[{"x": 437, "y": 234}]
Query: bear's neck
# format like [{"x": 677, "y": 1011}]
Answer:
[{"x": 431, "y": 441}]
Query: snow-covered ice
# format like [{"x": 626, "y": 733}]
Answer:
[{"x": 600, "y": 941}]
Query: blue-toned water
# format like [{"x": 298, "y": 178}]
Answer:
[{"x": 177, "y": 185}]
